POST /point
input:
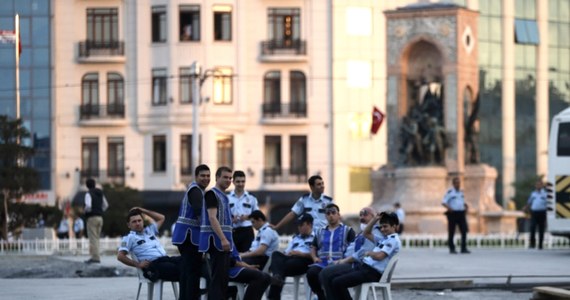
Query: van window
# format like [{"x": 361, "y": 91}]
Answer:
[{"x": 563, "y": 148}]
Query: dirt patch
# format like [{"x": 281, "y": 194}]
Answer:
[{"x": 54, "y": 267}]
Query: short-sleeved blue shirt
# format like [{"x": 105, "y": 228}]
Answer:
[
  {"x": 266, "y": 236},
  {"x": 144, "y": 245}
]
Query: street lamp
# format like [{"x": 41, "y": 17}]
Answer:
[{"x": 198, "y": 79}]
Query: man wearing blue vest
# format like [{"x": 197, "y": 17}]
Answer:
[
  {"x": 186, "y": 234},
  {"x": 329, "y": 245},
  {"x": 216, "y": 233},
  {"x": 313, "y": 204}
]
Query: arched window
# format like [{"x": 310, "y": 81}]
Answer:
[
  {"x": 90, "y": 89},
  {"x": 298, "y": 92},
  {"x": 115, "y": 94},
  {"x": 272, "y": 92}
]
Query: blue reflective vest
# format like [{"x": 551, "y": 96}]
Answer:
[
  {"x": 187, "y": 221},
  {"x": 224, "y": 218},
  {"x": 332, "y": 244}
]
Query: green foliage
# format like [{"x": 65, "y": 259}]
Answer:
[
  {"x": 121, "y": 199},
  {"x": 523, "y": 188}
]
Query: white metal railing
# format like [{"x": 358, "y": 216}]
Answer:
[{"x": 110, "y": 245}]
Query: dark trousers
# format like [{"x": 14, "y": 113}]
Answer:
[
  {"x": 258, "y": 261},
  {"x": 537, "y": 219},
  {"x": 284, "y": 265},
  {"x": 164, "y": 268},
  {"x": 219, "y": 267},
  {"x": 191, "y": 265},
  {"x": 359, "y": 274},
  {"x": 313, "y": 280},
  {"x": 454, "y": 219},
  {"x": 243, "y": 236},
  {"x": 257, "y": 282},
  {"x": 328, "y": 274},
  {"x": 400, "y": 229}
]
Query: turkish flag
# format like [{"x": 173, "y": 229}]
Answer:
[{"x": 377, "y": 119}]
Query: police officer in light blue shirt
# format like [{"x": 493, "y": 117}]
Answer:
[
  {"x": 242, "y": 204},
  {"x": 145, "y": 249},
  {"x": 537, "y": 205},
  {"x": 454, "y": 202},
  {"x": 266, "y": 241},
  {"x": 374, "y": 262},
  {"x": 313, "y": 204},
  {"x": 295, "y": 260}
]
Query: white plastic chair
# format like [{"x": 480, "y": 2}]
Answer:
[
  {"x": 296, "y": 283},
  {"x": 361, "y": 292},
  {"x": 153, "y": 288},
  {"x": 241, "y": 289}
]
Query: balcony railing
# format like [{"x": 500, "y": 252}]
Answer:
[
  {"x": 96, "y": 111},
  {"x": 295, "y": 47},
  {"x": 278, "y": 175},
  {"x": 278, "y": 110},
  {"x": 101, "y": 48},
  {"x": 116, "y": 176}
]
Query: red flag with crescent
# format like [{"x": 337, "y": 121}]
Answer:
[{"x": 377, "y": 119}]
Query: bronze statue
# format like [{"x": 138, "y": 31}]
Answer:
[{"x": 472, "y": 135}]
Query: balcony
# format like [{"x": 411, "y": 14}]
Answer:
[
  {"x": 102, "y": 115},
  {"x": 101, "y": 52},
  {"x": 283, "y": 51},
  {"x": 278, "y": 175},
  {"x": 116, "y": 176},
  {"x": 277, "y": 113}
]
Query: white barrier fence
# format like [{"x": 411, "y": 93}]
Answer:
[{"x": 110, "y": 245}]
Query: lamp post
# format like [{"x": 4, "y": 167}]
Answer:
[{"x": 198, "y": 79}]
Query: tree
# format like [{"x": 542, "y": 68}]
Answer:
[{"x": 16, "y": 177}]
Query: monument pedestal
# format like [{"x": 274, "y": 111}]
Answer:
[{"x": 420, "y": 191}]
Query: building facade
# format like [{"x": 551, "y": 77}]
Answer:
[{"x": 290, "y": 91}]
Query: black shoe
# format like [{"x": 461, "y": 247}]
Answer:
[
  {"x": 465, "y": 251},
  {"x": 277, "y": 280},
  {"x": 452, "y": 252},
  {"x": 92, "y": 261}
]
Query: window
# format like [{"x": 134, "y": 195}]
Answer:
[
  {"x": 116, "y": 157},
  {"x": 223, "y": 86},
  {"x": 563, "y": 141},
  {"x": 159, "y": 153},
  {"x": 272, "y": 92},
  {"x": 90, "y": 157},
  {"x": 272, "y": 163},
  {"x": 185, "y": 83},
  {"x": 115, "y": 94},
  {"x": 360, "y": 179},
  {"x": 225, "y": 146},
  {"x": 526, "y": 32},
  {"x": 102, "y": 26},
  {"x": 284, "y": 26},
  {"x": 158, "y": 24},
  {"x": 189, "y": 23},
  {"x": 90, "y": 89},
  {"x": 358, "y": 21},
  {"x": 222, "y": 23},
  {"x": 298, "y": 93},
  {"x": 186, "y": 154},
  {"x": 298, "y": 153},
  {"x": 159, "y": 87}
]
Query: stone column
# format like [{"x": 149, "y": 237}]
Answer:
[
  {"x": 508, "y": 104},
  {"x": 542, "y": 113}
]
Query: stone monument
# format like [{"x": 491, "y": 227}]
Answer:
[{"x": 433, "y": 80}]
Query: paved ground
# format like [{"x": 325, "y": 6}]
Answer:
[{"x": 484, "y": 273}]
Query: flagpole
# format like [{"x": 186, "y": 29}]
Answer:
[{"x": 17, "y": 48}]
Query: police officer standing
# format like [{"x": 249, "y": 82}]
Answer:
[
  {"x": 537, "y": 205},
  {"x": 454, "y": 202},
  {"x": 186, "y": 233},
  {"x": 313, "y": 204},
  {"x": 242, "y": 204},
  {"x": 216, "y": 233}
]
